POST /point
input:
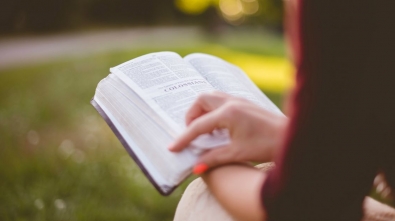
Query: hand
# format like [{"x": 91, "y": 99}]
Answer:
[{"x": 255, "y": 132}]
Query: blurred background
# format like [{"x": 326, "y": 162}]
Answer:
[{"x": 58, "y": 158}]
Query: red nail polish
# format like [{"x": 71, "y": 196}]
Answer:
[{"x": 200, "y": 168}]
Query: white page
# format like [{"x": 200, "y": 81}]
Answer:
[
  {"x": 230, "y": 79},
  {"x": 143, "y": 135},
  {"x": 165, "y": 82},
  {"x": 148, "y": 165},
  {"x": 169, "y": 85},
  {"x": 135, "y": 99}
]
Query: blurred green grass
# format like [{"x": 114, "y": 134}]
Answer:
[{"x": 58, "y": 158}]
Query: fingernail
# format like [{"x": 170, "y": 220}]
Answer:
[
  {"x": 200, "y": 168},
  {"x": 171, "y": 146}
]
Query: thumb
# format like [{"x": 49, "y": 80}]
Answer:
[{"x": 213, "y": 158}]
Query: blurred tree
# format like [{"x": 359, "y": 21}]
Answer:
[
  {"x": 122, "y": 11},
  {"x": 43, "y": 15},
  {"x": 35, "y": 15},
  {"x": 235, "y": 12},
  {"x": 194, "y": 7},
  {"x": 271, "y": 12},
  {"x": 52, "y": 15},
  {"x": 134, "y": 12},
  {"x": 8, "y": 17}
]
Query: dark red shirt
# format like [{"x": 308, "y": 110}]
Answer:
[{"x": 342, "y": 129}]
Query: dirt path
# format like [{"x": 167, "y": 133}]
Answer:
[{"x": 23, "y": 51}]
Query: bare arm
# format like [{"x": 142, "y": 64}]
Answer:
[
  {"x": 237, "y": 188},
  {"x": 255, "y": 135}
]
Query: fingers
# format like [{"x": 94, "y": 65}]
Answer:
[
  {"x": 204, "y": 124},
  {"x": 205, "y": 103},
  {"x": 218, "y": 156}
]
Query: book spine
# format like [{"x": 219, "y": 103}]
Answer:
[{"x": 162, "y": 189}]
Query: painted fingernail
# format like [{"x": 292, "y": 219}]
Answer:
[{"x": 200, "y": 168}]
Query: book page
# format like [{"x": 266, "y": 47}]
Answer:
[
  {"x": 143, "y": 106},
  {"x": 169, "y": 86},
  {"x": 165, "y": 82},
  {"x": 145, "y": 137},
  {"x": 230, "y": 79}
]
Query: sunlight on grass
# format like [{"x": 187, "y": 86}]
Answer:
[{"x": 274, "y": 74}]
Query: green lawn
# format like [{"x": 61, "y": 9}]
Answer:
[
  {"x": 60, "y": 161},
  {"x": 58, "y": 158}
]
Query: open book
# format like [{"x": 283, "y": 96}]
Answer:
[{"x": 145, "y": 100}]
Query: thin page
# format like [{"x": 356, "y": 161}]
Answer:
[
  {"x": 144, "y": 136},
  {"x": 143, "y": 106},
  {"x": 230, "y": 79},
  {"x": 169, "y": 86}
]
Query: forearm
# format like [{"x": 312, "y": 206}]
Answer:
[{"x": 237, "y": 188}]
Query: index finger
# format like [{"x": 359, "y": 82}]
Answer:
[
  {"x": 204, "y": 124},
  {"x": 203, "y": 104}
]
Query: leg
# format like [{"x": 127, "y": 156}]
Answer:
[{"x": 198, "y": 204}]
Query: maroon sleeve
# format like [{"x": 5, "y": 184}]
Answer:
[{"x": 341, "y": 122}]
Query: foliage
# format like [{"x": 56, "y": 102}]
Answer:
[
  {"x": 236, "y": 12},
  {"x": 36, "y": 15},
  {"x": 46, "y": 15}
]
